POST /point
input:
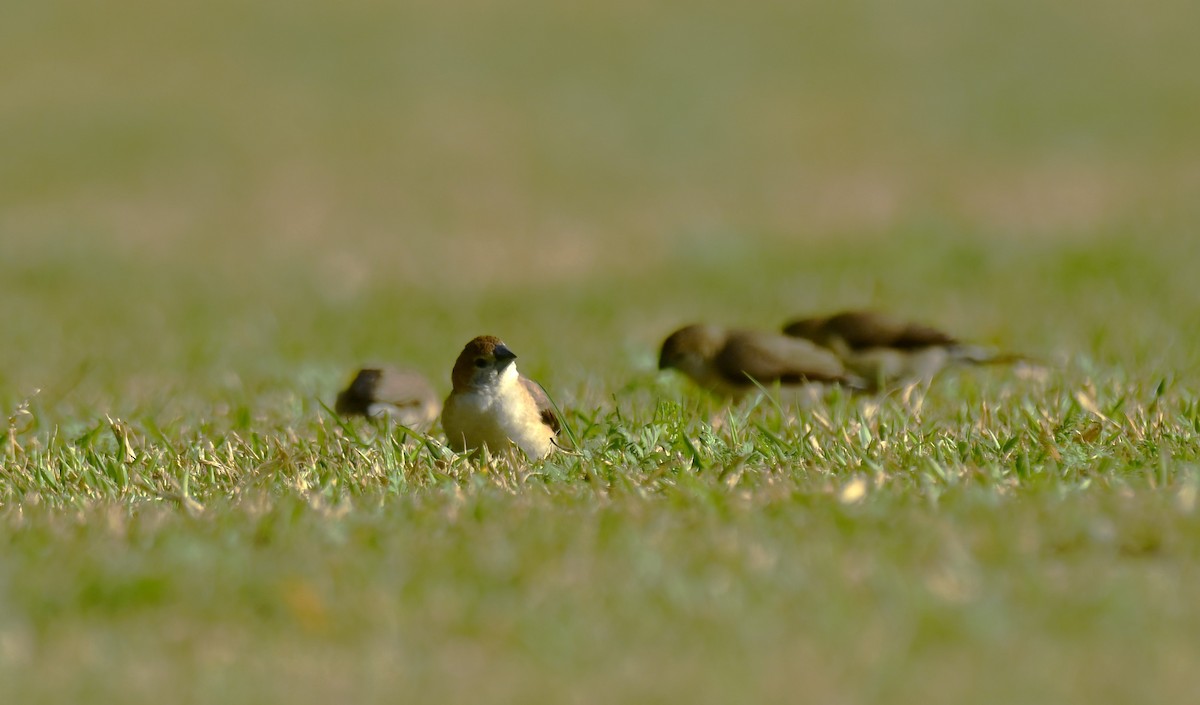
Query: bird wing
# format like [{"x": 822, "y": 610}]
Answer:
[
  {"x": 860, "y": 330},
  {"x": 404, "y": 388},
  {"x": 544, "y": 406},
  {"x": 769, "y": 358}
]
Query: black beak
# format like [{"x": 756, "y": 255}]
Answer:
[{"x": 503, "y": 356}]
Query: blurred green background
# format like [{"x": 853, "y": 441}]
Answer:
[{"x": 268, "y": 193}]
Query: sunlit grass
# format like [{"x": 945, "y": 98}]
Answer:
[{"x": 211, "y": 213}]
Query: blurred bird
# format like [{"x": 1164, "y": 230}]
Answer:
[
  {"x": 492, "y": 404},
  {"x": 884, "y": 349},
  {"x": 403, "y": 396},
  {"x": 730, "y": 362}
]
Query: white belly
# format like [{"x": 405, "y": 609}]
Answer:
[
  {"x": 477, "y": 419},
  {"x": 885, "y": 365}
]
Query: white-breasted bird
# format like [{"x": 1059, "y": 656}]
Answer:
[{"x": 492, "y": 405}]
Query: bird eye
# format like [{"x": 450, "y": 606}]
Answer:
[{"x": 480, "y": 362}]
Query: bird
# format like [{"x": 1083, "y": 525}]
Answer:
[
  {"x": 403, "y": 396},
  {"x": 493, "y": 405},
  {"x": 884, "y": 349},
  {"x": 732, "y": 362}
]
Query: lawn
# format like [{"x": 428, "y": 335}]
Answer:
[{"x": 212, "y": 213}]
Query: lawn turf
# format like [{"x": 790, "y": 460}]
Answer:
[{"x": 210, "y": 213}]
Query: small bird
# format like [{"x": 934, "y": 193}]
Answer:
[
  {"x": 403, "y": 396},
  {"x": 492, "y": 404},
  {"x": 730, "y": 362},
  {"x": 884, "y": 349}
]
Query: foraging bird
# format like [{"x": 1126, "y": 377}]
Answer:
[
  {"x": 492, "y": 404},
  {"x": 884, "y": 349},
  {"x": 403, "y": 396},
  {"x": 730, "y": 362}
]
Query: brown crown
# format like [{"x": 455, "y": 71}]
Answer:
[
  {"x": 698, "y": 338},
  {"x": 484, "y": 347}
]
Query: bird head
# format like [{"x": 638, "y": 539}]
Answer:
[
  {"x": 365, "y": 382},
  {"x": 357, "y": 398},
  {"x": 808, "y": 328},
  {"x": 691, "y": 348},
  {"x": 484, "y": 362}
]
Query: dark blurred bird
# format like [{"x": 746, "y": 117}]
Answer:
[
  {"x": 729, "y": 362},
  {"x": 403, "y": 396},
  {"x": 886, "y": 350},
  {"x": 492, "y": 404}
]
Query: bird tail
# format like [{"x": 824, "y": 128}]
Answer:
[{"x": 978, "y": 355}]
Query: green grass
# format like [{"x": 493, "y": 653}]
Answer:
[{"x": 211, "y": 213}]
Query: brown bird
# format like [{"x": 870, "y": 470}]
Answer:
[
  {"x": 492, "y": 404},
  {"x": 885, "y": 349},
  {"x": 404, "y": 396},
  {"x": 730, "y": 362}
]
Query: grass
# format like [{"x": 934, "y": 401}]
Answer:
[{"x": 211, "y": 213}]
